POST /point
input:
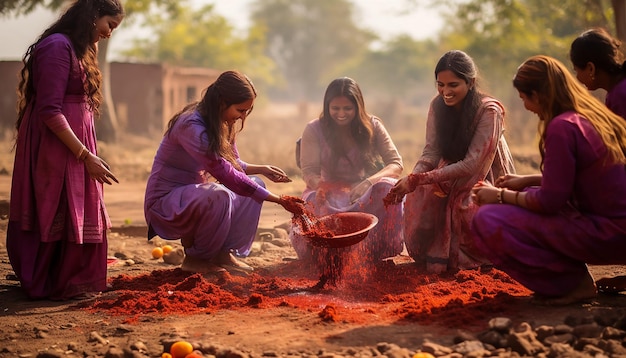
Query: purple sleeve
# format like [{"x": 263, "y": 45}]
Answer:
[
  {"x": 616, "y": 99},
  {"x": 241, "y": 163},
  {"x": 559, "y": 168},
  {"x": 194, "y": 140},
  {"x": 51, "y": 71}
]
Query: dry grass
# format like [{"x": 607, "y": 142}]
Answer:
[{"x": 270, "y": 134}]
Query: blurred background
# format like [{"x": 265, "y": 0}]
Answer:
[{"x": 167, "y": 51}]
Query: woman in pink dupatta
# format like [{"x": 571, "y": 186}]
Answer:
[
  {"x": 349, "y": 163},
  {"x": 464, "y": 144},
  {"x": 56, "y": 238}
]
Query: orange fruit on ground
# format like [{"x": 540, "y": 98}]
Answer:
[
  {"x": 166, "y": 355},
  {"x": 167, "y": 248},
  {"x": 157, "y": 253},
  {"x": 423, "y": 355},
  {"x": 194, "y": 354},
  {"x": 180, "y": 349}
]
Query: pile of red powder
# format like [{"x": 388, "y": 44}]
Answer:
[{"x": 386, "y": 292}]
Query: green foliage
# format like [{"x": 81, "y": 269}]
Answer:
[
  {"x": 402, "y": 68},
  {"x": 202, "y": 38},
  {"x": 501, "y": 34},
  {"x": 309, "y": 40},
  {"x": 131, "y": 7},
  {"x": 22, "y": 7}
]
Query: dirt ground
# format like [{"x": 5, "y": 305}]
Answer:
[{"x": 290, "y": 320}]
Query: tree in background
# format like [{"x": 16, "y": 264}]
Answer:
[
  {"x": 295, "y": 47},
  {"x": 309, "y": 40},
  {"x": 401, "y": 69},
  {"x": 107, "y": 125},
  {"x": 203, "y": 38},
  {"x": 501, "y": 34}
]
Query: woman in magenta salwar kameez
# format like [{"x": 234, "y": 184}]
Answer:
[
  {"x": 544, "y": 229},
  {"x": 56, "y": 237},
  {"x": 200, "y": 191},
  {"x": 599, "y": 64}
]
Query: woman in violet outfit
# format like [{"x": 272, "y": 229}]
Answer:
[
  {"x": 599, "y": 63},
  {"x": 200, "y": 191},
  {"x": 56, "y": 237},
  {"x": 544, "y": 229}
]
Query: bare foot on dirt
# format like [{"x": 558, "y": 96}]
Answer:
[
  {"x": 193, "y": 264},
  {"x": 228, "y": 261},
  {"x": 586, "y": 290},
  {"x": 611, "y": 285}
]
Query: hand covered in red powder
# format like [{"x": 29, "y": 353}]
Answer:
[
  {"x": 398, "y": 191},
  {"x": 358, "y": 191},
  {"x": 292, "y": 204}
]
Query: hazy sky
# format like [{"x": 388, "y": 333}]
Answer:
[{"x": 385, "y": 17}]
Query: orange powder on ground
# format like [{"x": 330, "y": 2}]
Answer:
[{"x": 385, "y": 292}]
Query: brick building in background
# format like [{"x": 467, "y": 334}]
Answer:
[{"x": 145, "y": 95}]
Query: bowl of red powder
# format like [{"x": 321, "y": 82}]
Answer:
[{"x": 338, "y": 230}]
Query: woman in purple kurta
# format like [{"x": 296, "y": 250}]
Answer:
[
  {"x": 464, "y": 144},
  {"x": 544, "y": 229},
  {"x": 599, "y": 63},
  {"x": 199, "y": 190},
  {"x": 349, "y": 163},
  {"x": 56, "y": 238}
]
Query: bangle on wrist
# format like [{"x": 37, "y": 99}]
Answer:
[
  {"x": 516, "y": 197},
  {"x": 499, "y": 196},
  {"x": 85, "y": 154},
  {"x": 369, "y": 181},
  {"x": 81, "y": 152}
]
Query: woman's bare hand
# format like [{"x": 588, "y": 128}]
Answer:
[
  {"x": 358, "y": 191},
  {"x": 512, "y": 181},
  {"x": 398, "y": 191},
  {"x": 99, "y": 170},
  {"x": 275, "y": 174}
]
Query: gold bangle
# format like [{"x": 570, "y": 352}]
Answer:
[
  {"x": 499, "y": 196},
  {"x": 80, "y": 152},
  {"x": 86, "y": 153}
]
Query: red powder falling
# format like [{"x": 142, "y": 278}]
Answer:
[
  {"x": 385, "y": 292},
  {"x": 306, "y": 221}
]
